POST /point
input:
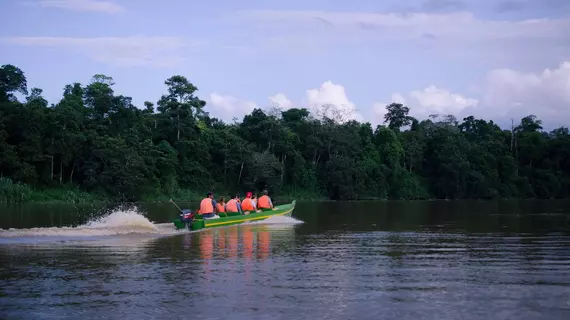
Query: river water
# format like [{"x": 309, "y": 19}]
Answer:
[{"x": 332, "y": 260}]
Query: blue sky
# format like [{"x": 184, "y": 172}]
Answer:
[{"x": 493, "y": 59}]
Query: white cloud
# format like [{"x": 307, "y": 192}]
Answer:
[
  {"x": 433, "y": 100},
  {"x": 379, "y": 109},
  {"x": 456, "y": 25},
  {"x": 118, "y": 51},
  {"x": 226, "y": 107},
  {"x": 83, "y": 5},
  {"x": 398, "y": 98},
  {"x": 445, "y": 33},
  {"x": 329, "y": 99},
  {"x": 505, "y": 94},
  {"x": 545, "y": 94},
  {"x": 378, "y": 112},
  {"x": 280, "y": 101},
  {"x": 332, "y": 101}
]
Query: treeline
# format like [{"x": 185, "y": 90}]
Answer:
[{"x": 98, "y": 141}]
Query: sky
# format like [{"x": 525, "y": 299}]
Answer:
[{"x": 493, "y": 59}]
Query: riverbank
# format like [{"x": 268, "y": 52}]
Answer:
[{"x": 18, "y": 193}]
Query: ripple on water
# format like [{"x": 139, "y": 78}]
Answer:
[{"x": 332, "y": 275}]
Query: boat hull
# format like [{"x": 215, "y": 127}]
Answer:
[{"x": 199, "y": 223}]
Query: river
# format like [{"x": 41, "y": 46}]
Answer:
[{"x": 332, "y": 260}]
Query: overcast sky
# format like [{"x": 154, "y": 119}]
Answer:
[{"x": 492, "y": 59}]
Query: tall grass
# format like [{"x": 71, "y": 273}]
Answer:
[
  {"x": 66, "y": 195},
  {"x": 11, "y": 193}
]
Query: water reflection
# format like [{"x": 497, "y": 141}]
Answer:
[
  {"x": 206, "y": 245},
  {"x": 233, "y": 239},
  {"x": 263, "y": 244},
  {"x": 246, "y": 242}
]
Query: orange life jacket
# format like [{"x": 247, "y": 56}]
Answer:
[
  {"x": 263, "y": 202},
  {"x": 247, "y": 205},
  {"x": 232, "y": 205},
  {"x": 220, "y": 207},
  {"x": 206, "y": 206}
]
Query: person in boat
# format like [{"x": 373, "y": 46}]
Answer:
[
  {"x": 264, "y": 203},
  {"x": 234, "y": 205},
  {"x": 247, "y": 204},
  {"x": 207, "y": 206},
  {"x": 254, "y": 200},
  {"x": 221, "y": 204},
  {"x": 221, "y": 207}
]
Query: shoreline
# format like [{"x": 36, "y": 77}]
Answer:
[
  {"x": 20, "y": 194},
  {"x": 63, "y": 196}
]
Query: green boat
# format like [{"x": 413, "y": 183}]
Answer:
[{"x": 231, "y": 218}]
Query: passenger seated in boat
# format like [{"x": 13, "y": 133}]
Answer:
[
  {"x": 234, "y": 205},
  {"x": 221, "y": 207},
  {"x": 254, "y": 200},
  {"x": 207, "y": 206},
  {"x": 264, "y": 203},
  {"x": 247, "y": 204}
]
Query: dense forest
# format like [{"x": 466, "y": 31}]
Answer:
[{"x": 97, "y": 141}]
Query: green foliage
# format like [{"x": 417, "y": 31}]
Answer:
[
  {"x": 67, "y": 195},
  {"x": 397, "y": 116},
  {"x": 96, "y": 145},
  {"x": 11, "y": 192},
  {"x": 12, "y": 79}
]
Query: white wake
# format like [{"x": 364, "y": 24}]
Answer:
[
  {"x": 277, "y": 220},
  {"x": 129, "y": 223},
  {"x": 119, "y": 222}
]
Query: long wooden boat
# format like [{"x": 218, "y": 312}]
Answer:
[{"x": 231, "y": 218}]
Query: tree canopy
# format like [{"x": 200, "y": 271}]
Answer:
[{"x": 98, "y": 140}]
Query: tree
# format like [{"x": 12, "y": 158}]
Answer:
[
  {"x": 12, "y": 79},
  {"x": 180, "y": 103},
  {"x": 397, "y": 116}
]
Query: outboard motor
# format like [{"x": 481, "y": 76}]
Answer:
[{"x": 186, "y": 216}]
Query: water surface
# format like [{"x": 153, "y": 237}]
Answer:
[{"x": 361, "y": 260}]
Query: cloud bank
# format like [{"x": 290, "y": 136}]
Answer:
[
  {"x": 83, "y": 5},
  {"x": 131, "y": 51},
  {"x": 328, "y": 99},
  {"x": 505, "y": 94},
  {"x": 456, "y": 34}
]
